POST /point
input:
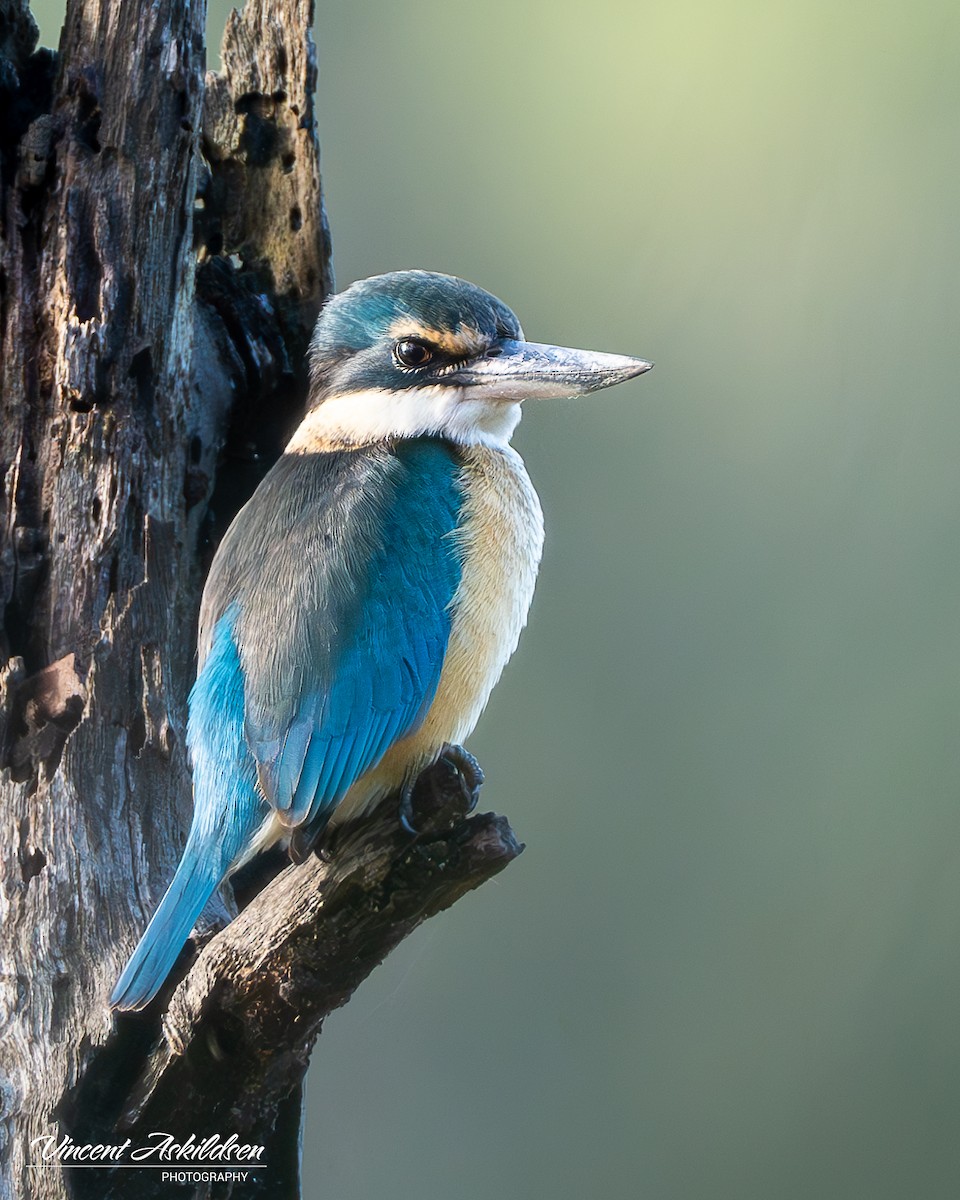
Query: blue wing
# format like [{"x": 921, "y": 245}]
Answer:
[
  {"x": 323, "y": 629},
  {"x": 344, "y": 623}
]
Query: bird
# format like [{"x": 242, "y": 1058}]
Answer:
[{"x": 364, "y": 602}]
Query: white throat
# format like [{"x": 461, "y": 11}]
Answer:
[{"x": 358, "y": 418}]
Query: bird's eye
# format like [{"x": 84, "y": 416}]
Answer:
[{"x": 411, "y": 353}]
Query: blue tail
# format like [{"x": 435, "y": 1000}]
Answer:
[
  {"x": 164, "y": 938},
  {"x": 227, "y": 813}
]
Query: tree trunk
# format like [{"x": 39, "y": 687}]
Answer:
[{"x": 163, "y": 256}]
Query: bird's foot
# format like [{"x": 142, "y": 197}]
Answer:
[{"x": 442, "y": 794}]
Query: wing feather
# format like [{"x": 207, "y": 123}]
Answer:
[{"x": 344, "y": 572}]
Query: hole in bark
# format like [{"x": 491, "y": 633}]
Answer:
[
  {"x": 138, "y": 733},
  {"x": 141, "y": 372},
  {"x": 96, "y": 508},
  {"x": 114, "y": 580},
  {"x": 87, "y": 289},
  {"x": 31, "y": 864},
  {"x": 88, "y": 123},
  {"x": 80, "y": 404},
  {"x": 195, "y": 485},
  {"x": 84, "y": 268},
  {"x": 101, "y": 386},
  {"x": 260, "y": 138},
  {"x": 19, "y": 630},
  {"x": 289, "y": 161},
  {"x": 224, "y": 1037},
  {"x": 296, "y": 219}
]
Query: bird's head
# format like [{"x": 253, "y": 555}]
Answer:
[{"x": 412, "y": 353}]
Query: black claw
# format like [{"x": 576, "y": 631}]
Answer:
[
  {"x": 406, "y": 807},
  {"x": 326, "y": 851},
  {"x": 466, "y": 765},
  {"x": 442, "y": 794}
]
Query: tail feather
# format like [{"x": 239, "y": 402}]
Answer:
[{"x": 192, "y": 886}]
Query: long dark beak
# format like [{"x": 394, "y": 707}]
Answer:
[{"x": 529, "y": 370}]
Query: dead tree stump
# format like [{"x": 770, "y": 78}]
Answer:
[{"x": 163, "y": 256}]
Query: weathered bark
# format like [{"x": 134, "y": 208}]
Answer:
[
  {"x": 163, "y": 255},
  {"x": 237, "y": 1033}
]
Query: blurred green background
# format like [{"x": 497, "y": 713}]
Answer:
[{"x": 727, "y": 966}]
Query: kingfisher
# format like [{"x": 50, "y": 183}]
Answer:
[{"x": 364, "y": 602}]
